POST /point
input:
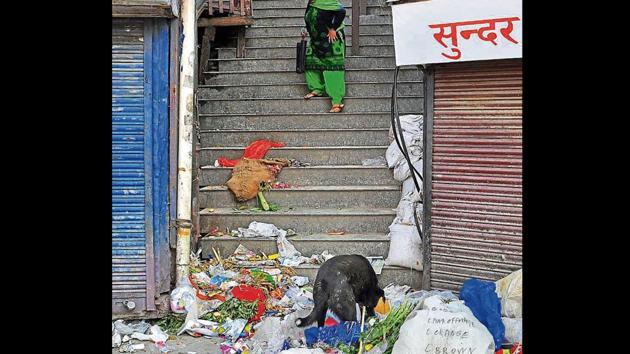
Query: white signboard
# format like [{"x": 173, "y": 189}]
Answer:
[{"x": 450, "y": 31}]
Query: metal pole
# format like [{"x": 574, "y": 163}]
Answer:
[{"x": 185, "y": 138}]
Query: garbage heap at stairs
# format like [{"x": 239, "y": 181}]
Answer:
[{"x": 333, "y": 201}]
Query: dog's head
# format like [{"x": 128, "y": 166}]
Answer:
[{"x": 374, "y": 296}]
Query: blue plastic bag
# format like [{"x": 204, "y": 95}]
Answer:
[
  {"x": 483, "y": 301},
  {"x": 345, "y": 332}
]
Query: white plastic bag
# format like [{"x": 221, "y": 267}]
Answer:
[
  {"x": 513, "y": 329},
  {"x": 402, "y": 172},
  {"x": 303, "y": 351},
  {"x": 405, "y": 247},
  {"x": 443, "y": 325},
  {"x": 268, "y": 337},
  {"x": 510, "y": 291},
  {"x": 156, "y": 336},
  {"x": 261, "y": 229},
  {"x": 182, "y": 296}
]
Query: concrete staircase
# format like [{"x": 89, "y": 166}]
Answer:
[{"x": 260, "y": 97}]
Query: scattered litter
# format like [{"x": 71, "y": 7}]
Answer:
[
  {"x": 296, "y": 163},
  {"x": 336, "y": 232},
  {"x": 303, "y": 351},
  {"x": 299, "y": 281},
  {"x": 157, "y": 335},
  {"x": 378, "y": 161},
  {"x": 259, "y": 229},
  {"x": 377, "y": 263}
]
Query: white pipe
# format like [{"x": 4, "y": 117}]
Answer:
[{"x": 185, "y": 138}]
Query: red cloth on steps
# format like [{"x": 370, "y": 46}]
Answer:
[{"x": 256, "y": 150}]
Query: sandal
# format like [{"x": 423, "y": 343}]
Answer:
[
  {"x": 311, "y": 95},
  {"x": 336, "y": 108}
]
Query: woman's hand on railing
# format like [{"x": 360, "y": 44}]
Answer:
[{"x": 332, "y": 35}]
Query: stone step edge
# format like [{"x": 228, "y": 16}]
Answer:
[
  {"x": 216, "y": 115},
  {"x": 348, "y": 147},
  {"x": 331, "y": 130},
  {"x": 316, "y": 237},
  {"x": 298, "y": 98},
  {"x": 301, "y": 26},
  {"x": 350, "y": 188},
  {"x": 293, "y": 71},
  {"x": 302, "y": 212},
  {"x": 298, "y": 35},
  {"x": 304, "y": 83},
  {"x": 322, "y": 167},
  {"x": 293, "y": 58}
]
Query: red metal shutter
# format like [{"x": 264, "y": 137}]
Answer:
[{"x": 476, "y": 172}]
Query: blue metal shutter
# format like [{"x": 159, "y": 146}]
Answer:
[{"x": 132, "y": 220}]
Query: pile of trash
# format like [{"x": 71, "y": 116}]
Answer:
[{"x": 253, "y": 310}]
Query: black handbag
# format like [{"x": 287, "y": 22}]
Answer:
[{"x": 300, "y": 62}]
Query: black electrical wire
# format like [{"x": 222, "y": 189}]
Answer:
[{"x": 397, "y": 130}]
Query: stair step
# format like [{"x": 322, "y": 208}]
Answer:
[
  {"x": 381, "y": 17},
  {"x": 280, "y": 4},
  {"x": 303, "y": 220},
  {"x": 258, "y": 31},
  {"x": 309, "y": 197},
  {"x": 312, "y": 175},
  {"x": 363, "y": 244},
  {"x": 285, "y": 77},
  {"x": 298, "y": 137},
  {"x": 299, "y": 11},
  {"x": 390, "y": 275},
  {"x": 295, "y": 120},
  {"x": 299, "y": 89},
  {"x": 287, "y": 52},
  {"x": 322, "y": 155},
  {"x": 288, "y": 63},
  {"x": 285, "y": 41},
  {"x": 297, "y": 105}
]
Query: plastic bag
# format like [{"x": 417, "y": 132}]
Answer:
[
  {"x": 345, "y": 332},
  {"x": 402, "y": 171},
  {"x": 299, "y": 281},
  {"x": 234, "y": 328},
  {"x": 410, "y": 124},
  {"x": 260, "y": 229},
  {"x": 156, "y": 336},
  {"x": 182, "y": 296},
  {"x": 303, "y": 351},
  {"x": 441, "y": 324},
  {"x": 513, "y": 329},
  {"x": 268, "y": 337},
  {"x": 510, "y": 290},
  {"x": 405, "y": 247},
  {"x": 130, "y": 328},
  {"x": 289, "y": 256},
  {"x": 481, "y": 298}
]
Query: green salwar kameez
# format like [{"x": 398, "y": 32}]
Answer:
[{"x": 325, "y": 73}]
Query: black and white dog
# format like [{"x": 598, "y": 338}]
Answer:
[{"x": 341, "y": 283}]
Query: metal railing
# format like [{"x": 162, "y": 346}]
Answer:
[
  {"x": 357, "y": 11},
  {"x": 233, "y": 7}
]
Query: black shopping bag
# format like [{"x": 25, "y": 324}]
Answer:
[{"x": 300, "y": 64}]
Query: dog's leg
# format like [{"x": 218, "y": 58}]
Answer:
[{"x": 320, "y": 297}]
